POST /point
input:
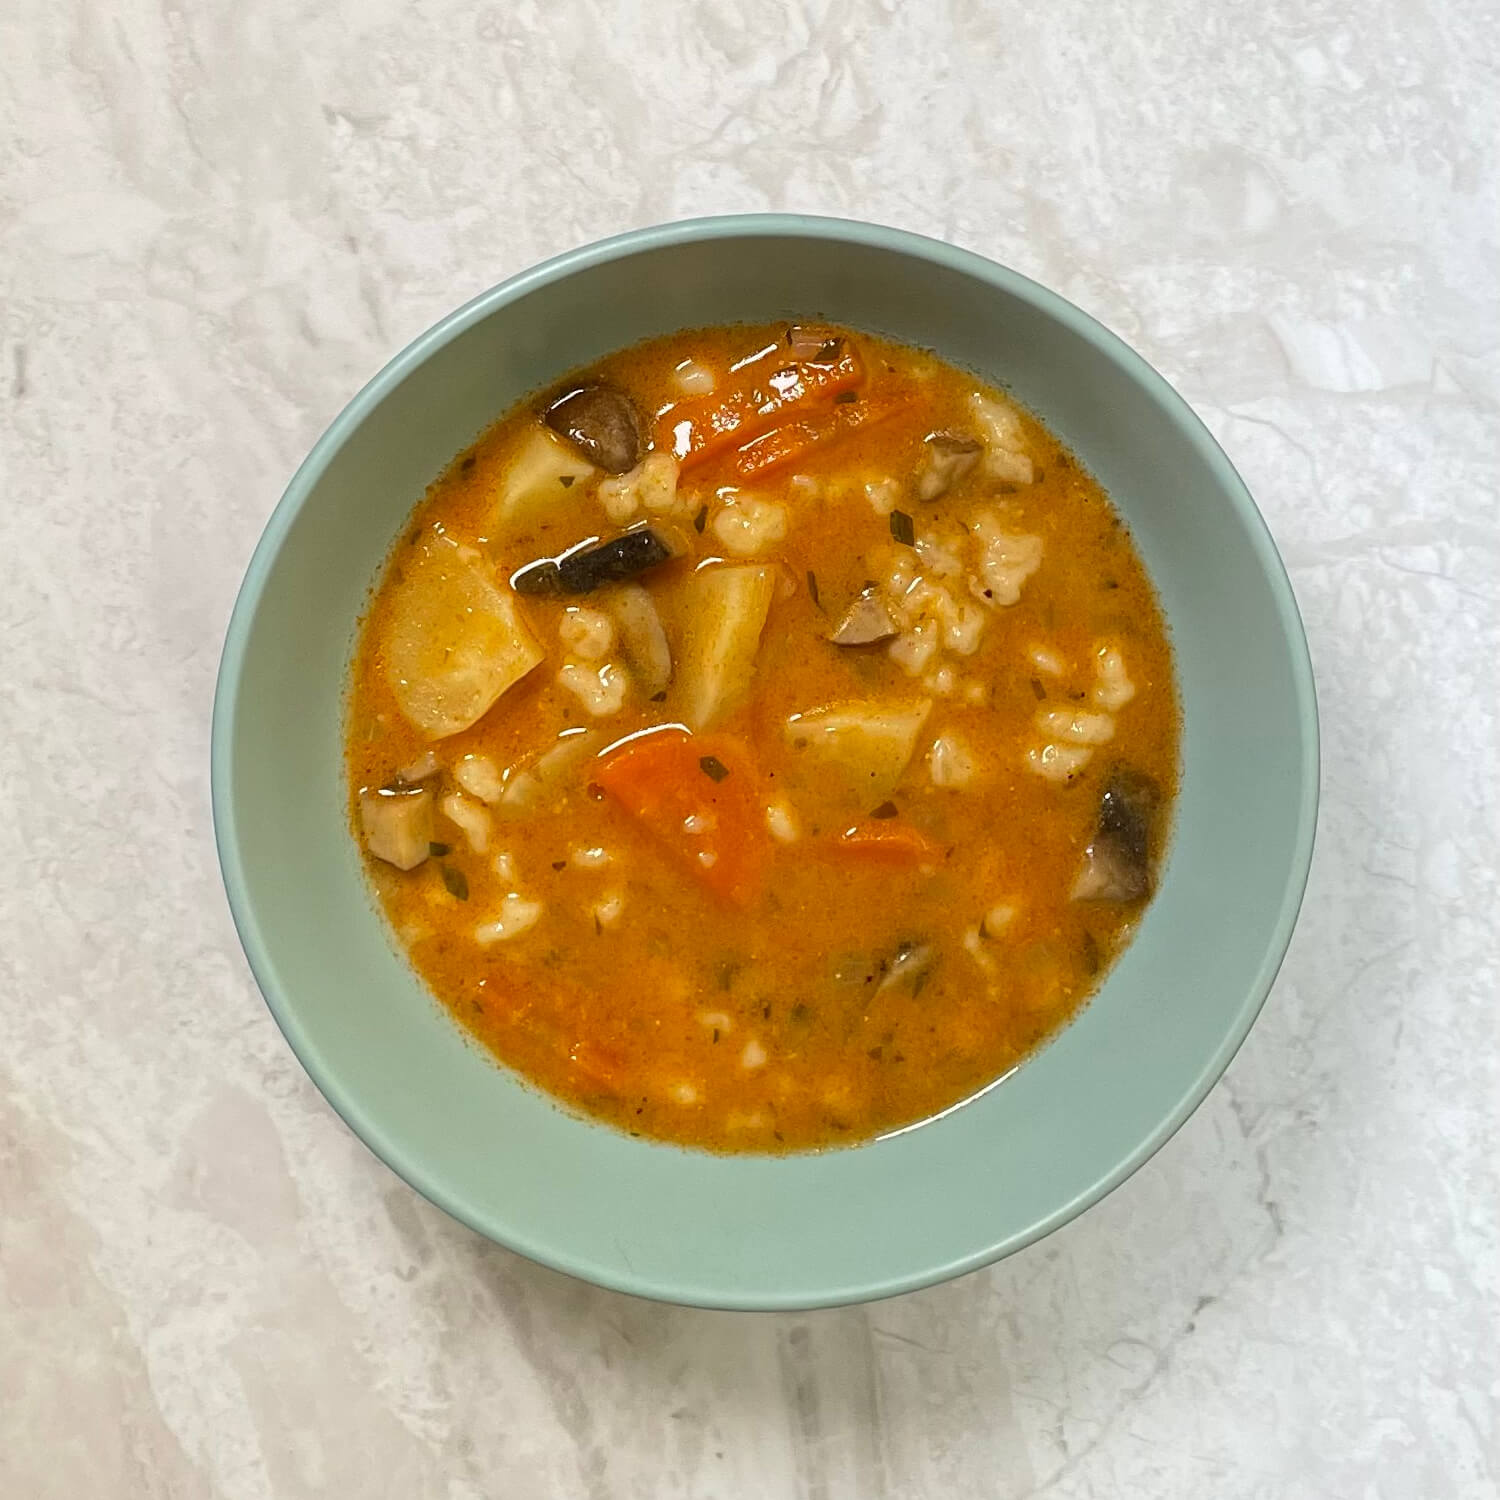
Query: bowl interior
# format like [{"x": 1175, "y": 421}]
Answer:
[{"x": 764, "y": 1232}]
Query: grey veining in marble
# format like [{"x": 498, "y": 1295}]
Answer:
[{"x": 216, "y": 220}]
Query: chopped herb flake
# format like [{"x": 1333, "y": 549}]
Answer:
[
  {"x": 902, "y": 528},
  {"x": 660, "y": 697},
  {"x": 713, "y": 767},
  {"x": 559, "y": 864},
  {"x": 701, "y": 519},
  {"x": 812, "y": 588},
  {"x": 845, "y": 397},
  {"x": 439, "y": 850},
  {"x": 885, "y": 810},
  {"x": 566, "y": 480},
  {"x": 1037, "y": 690},
  {"x": 456, "y": 881}
]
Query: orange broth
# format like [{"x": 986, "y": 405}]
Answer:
[{"x": 801, "y": 951}]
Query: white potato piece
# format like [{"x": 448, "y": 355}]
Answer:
[
  {"x": 540, "y": 472},
  {"x": 455, "y": 638},
  {"x": 397, "y": 825},
  {"x": 640, "y": 629},
  {"x": 723, "y": 611},
  {"x": 529, "y": 783},
  {"x": 869, "y": 743}
]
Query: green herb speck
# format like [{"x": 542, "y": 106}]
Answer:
[
  {"x": 902, "y": 528},
  {"x": 456, "y": 881}
]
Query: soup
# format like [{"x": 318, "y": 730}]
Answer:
[{"x": 765, "y": 739}]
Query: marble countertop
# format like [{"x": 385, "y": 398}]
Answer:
[{"x": 216, "y": 220}]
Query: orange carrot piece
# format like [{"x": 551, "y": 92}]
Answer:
[
  {"x": 698, "y": 796},
  {"x": 816, "y": 432},
  {"x": 769, "y": 388},
  {"x": 885, "y": 841}
]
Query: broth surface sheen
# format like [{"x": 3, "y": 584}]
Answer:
[{"x": 764, "y": 739}]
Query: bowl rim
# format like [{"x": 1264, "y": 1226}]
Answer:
[{"x": 921, "y": 248}]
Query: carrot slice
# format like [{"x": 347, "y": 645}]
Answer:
[
  {"x": 768, "y": 388},
  {"x": 698, "y": 796},
  {"x": 884, "y": 841},
  {"x": 818, "y": 430}
]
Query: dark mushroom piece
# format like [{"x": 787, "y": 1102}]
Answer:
[
  {"x": 865, "y": 622},
  {"x": 948, "y": 457},
  {"x": 1117, "y": 862},
  {"x": 595, "y": 564},
  {"x": 602, "y": 422}
]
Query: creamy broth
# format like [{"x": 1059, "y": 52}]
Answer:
[{"x": 764, "y": 739}]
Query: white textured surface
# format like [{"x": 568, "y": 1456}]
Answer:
[{"x": 217, "y": 219}]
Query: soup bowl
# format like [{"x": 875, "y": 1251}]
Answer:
[{"x": 973, "y": 1184}]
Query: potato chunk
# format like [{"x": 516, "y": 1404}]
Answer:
[
  {"x": 869, "y": 744},
  {"x": 455, "y": 639},
  {"x": 722, "y": 611},
  {"x": 397, "y": 825},
  {"x": 541, "y": 471}
]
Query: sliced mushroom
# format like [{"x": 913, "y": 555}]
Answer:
[
  {"x": 602, "y": 422},
  {"x": 814, "y": 346},
  {"x": 1117, "y": 862},
  {"x": 947, "y": 458},
  {"x": 397, "y": 824},
  {"x": 595, "y": 564},
  {"x": 865, "y": 622}
]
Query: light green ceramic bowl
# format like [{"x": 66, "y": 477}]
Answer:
[{"x": 767, "y": 1232}]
